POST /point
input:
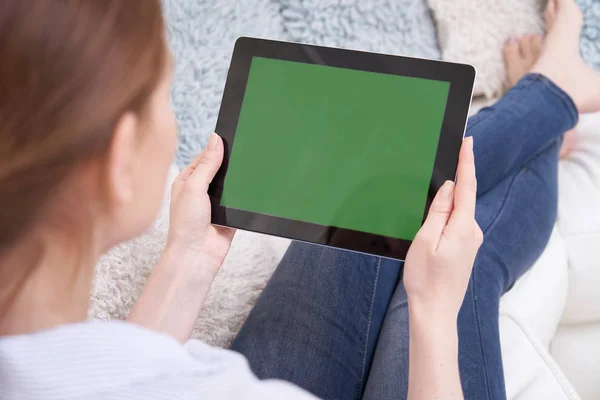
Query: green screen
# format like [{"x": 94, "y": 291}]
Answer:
[{"x": 336, "y": 147}]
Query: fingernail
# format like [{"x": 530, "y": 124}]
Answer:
[
  {"x": 511, "y": 40},
  {"x": 447, "y": 190},
  {"x": 470, "y": 142},
  {"x": 213, "y": 140}
]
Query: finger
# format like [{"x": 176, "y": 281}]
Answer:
[
  {"x": 439, "y": 213},
  {"x": 204, "y": 167},
  {"x": 465, "y": 193},
  {"x": 189, "y": 169}
]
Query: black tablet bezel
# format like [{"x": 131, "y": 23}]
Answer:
[{"x": 460, "y": 76}]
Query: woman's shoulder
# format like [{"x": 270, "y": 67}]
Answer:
[
  {"x": 111, "y": 336},
  {"x": 100, "y": 357}
]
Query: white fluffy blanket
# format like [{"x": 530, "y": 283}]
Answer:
[{"x": 475, "y": 31}]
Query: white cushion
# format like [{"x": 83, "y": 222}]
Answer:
[
  {"x": 583, "y": 304},
  {"x": 539, "y": 296},
  {"x": 529, "y": 316},
  {"x": 576, "y": 350},
  {"x": 579, "y": 221},
  {"x": 529, "y": 370},
  {"x": 531, "y": 310}
]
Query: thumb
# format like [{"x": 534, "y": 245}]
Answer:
[
  {"x": 439, "y": 212},
  {"x": 204, "y": 167}
]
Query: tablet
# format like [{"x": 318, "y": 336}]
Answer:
[{"x": 336, "y": 147}]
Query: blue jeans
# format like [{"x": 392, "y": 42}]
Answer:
[{"x": 336, "y": 322}]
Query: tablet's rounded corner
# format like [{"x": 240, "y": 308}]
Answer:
[
  {"x": 472, "y": 71},
  {"x": 241, "y": 41}
]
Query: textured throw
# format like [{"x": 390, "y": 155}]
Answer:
[
  {"x": 201, "y": 36},
  {"x": 401, "y": 27},
  {"x": 590, "y": 36},
  {"x": 474, "y": 32}
]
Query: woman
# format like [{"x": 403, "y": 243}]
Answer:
[{"x": 87, "y": 136}]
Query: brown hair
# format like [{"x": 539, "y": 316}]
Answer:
[{"x": 69, "y": 70}]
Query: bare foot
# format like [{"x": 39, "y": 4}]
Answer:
[
  {"x": 560, "y": 59},
  {"x": 519, "y": 56},
  {"x": 568, "y": 144}
]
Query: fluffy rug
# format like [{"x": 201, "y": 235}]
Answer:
[
  {"x": 590, "y": 36},
  {"x": 387, "y": 26},
  {"x": 201, "y": 36}
]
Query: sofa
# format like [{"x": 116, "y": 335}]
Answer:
[{"x": 550, "y": 319}]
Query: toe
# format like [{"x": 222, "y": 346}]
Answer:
[
  {"x": 568, "y": 144},
  {"x": 511, "y": 50},
  {"x": 513, "y": 62},
  {"x": 525, "y": 48},
  {"x": 536, "y": 42},
  {"x": 550, "y": 12}
]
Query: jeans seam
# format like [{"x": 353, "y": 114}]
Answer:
[
  {"x": 485, "y": 367},
  {"x": 508, "y": 192},
  {"x": 364, "y": 362},
  {"x": 490, "y": 226}
]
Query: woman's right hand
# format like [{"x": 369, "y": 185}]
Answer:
[
  {"x": 190, "y": 228},
  {"x": 439, "y": 263}
]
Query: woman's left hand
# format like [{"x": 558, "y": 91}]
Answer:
[
  {"x": 439, "y": 262},
  {"x": 190, "y": 228}
]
